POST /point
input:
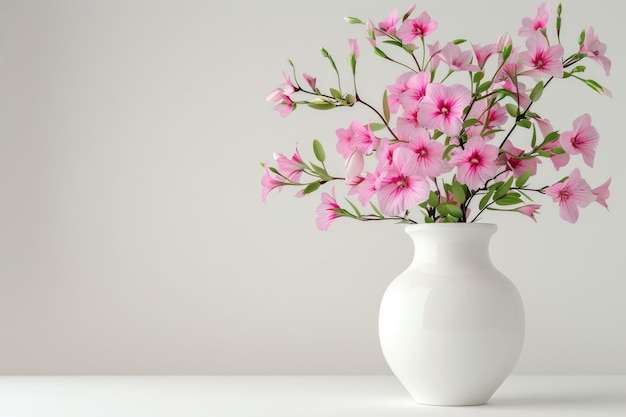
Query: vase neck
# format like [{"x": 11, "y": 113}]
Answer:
[{"x": 453, "y": 244}]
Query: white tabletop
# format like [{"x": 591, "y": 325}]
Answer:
[{"x": 295, "y": 396}]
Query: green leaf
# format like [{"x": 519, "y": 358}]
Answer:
[
  {"x": 336, "y": 93},
  {"x": 455, "y": 211},
  {"x": 458, "y": 191},
  {"x": 503, "y": 189},
  {"x": 595, "y": 86},
  {"x": 496, "y": 185},
  {"x": 459, "y": 41},
  {"x": 469, "y": 122},
  {"x": 490, "y": 132},
  {"x": 509, "y": 200},
  {"x": 353, "y": 20},
  {"x": 537, "y": 91},
  {"x": 428, "y": 219},
  {"x": 393, "y": 42},
  {"x": 478, "y": 76},
  {"x": 450, "y": 219},
  {"x": 318, "y": 150},
  {"x": 483, "y": 87},
  {"x": 356, "y": 210},
  {"x": 522, "y": 179},
  {"x": 512, "y": 109},
  {"x": 551, "y": 137},
  {"x": 448, "y": 150},
  {"x": 450, "y": 209},
  {"x": 376, "y": 210},
  {"x": 386, "y": 112},
  {"x": 531, "y": 114},
  {"x": 543, "y": 153},
  {"x": 433, "y": 199},
  {"x": 581, "y": 38},
  {"x": 374, "y": 127},
  {"x": 319, "y": 170},
  {"x": 314, "y": 186},
  {"x": 485, "y": 200},
  {"x": 525, "y": 123},
  {"x": 379, "y": 52},
  {"x": 506, "y": 52},
  {"x": 320, "y": 105}
]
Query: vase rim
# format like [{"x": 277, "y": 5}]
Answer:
[{"x": 411, "y": 227}]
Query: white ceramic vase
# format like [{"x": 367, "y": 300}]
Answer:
[{"x": 451, "y": 325}]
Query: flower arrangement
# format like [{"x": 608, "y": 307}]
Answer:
[{"x": 441, "y": 147}]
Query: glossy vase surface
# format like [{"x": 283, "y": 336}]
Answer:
[{"x": 451, "y": 325}]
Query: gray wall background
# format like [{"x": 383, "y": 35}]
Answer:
[{"x": 132, "y": 235}]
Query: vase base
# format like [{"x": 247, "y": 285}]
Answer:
[{"x": 451, "y": 404}]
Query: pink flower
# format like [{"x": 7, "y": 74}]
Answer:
[
  {"x": 541, "y": 58},
  {"x": 407, "y": 121},
  {"x": 358, "y": 137},
  {"x": 354, "y": 48},
  {"x": 519, "y": 90},
  {"x": 483, "y": 53},
  {"x": 285, "y": 107},
  {"x": 419, "y": 27},
  {"x": 529, "y": 210},
  {"x": 510, "y": 159},
  {"x": 365, "y": 189},
  {"x": 400, "y": 188},
  {"x": 511, "y": 67},
  {"x": 531, "y": 26},
  {"x": 269, "y": 183},
  {"x": 415, "y": 90},
  {"x": 397, "y": 90},
  {"x": 354, "y": 166},
  {"x": 384, "y": 152},
  {"x": 456, "y": 59},
  {"x": 504, "y": 40},
  {"x": 442, "y": 107},
  {"x": 371, "y": 33},
  {"x": 327, "y": 210},
  {"x": 602, "y": 193},
  {"x": 582, "y": 140},
  {"x": 427, "y": 153},
  {"x": 434, "y": 50},
  {"x": 290, "y": 168},
  {"x": 559, "y": 160},
  {"x": 572, "y": 193},
  {"x": 476, "y": 163},
  {"x": 595, "y": 50},
  {"x": 388, "y": 26},
  {"x": 545, "y": 127},
  {"x": 488, "y": 119},
  {"x": 285, "y": 89},
  {"x": 311, "y": 81}
]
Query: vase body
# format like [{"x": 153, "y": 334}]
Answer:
[{"x": 451, "y": 325}]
